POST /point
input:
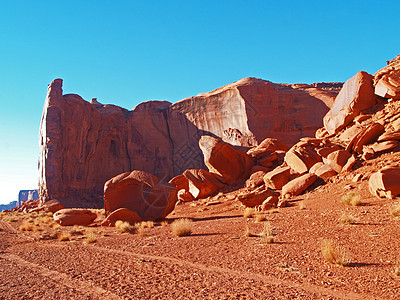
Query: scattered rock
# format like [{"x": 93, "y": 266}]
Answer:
[
  {"x": 201, "y": 183},
  {"x": 301, "y": 158},
  {"x": 255, "y": 197},
  {"x": 338, "y": 159},
  {"x": 256, "y": 179}
]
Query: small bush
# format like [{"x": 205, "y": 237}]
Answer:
[
  {"x": 395, "y": 210},
  {"x": 334, "y": 254},
  {"x": 266, "y": 235},
  {"x": 347, "y": 219},
  {"x": 91, "y": 237},
  {"x": 351, "y": 198},
  {"x": 123, "y": 227},
  {"x": 64, "y": 236},
  {"x": 182, "y": 227},
  {"x": 248, "y": 212}
]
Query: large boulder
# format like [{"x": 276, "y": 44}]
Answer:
[
  {"x": 385, "y": 183},
  {"x": 338, "y": 159},
  {"x": 255, "y": 197},
  {"x": 231, "y": 165},
  {"x": 141, "y": 193},
  {"x": 269, "y": 145},
  {"x": 356, "y": 95},
  {"x": 367, "y": 136},
  {"x": 277, "y": 178},
  {"x": 69, "y": 216}
]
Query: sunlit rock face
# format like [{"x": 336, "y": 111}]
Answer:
[{"x": 84, "y": 144}]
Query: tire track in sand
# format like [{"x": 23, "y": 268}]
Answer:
[
  {"x": 84, "y": 287},
  {"x": 307, "y": 287}
]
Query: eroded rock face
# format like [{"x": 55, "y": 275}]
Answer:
[
  {"x": 140, "y": 192},
  {"x": 84, "y": 144}
]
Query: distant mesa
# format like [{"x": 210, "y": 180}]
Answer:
[
  {"x": 23, "y": 195},
  {"x": 84, "y": 144}
]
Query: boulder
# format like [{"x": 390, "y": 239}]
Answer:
[
  {"x": 298, "y": 185},
  {"x": 384, "y": 146},
  {"x": 256, "y": 179},
  {"x": 141, "y": 193},
  {"x": 325, "y": 151},
  {"x": 369, "y": 135},
  {"x": 389, "y": 136},
  {"x": 69, "y": 216},
  {"x": 356, "y": 95},
  {"x": 121, "y": 214},
  {"x": 231, "y": 165},
  {"x": 201, "y": 183},
  {"x": 387, "y": 80},
  {"x": 385, "y": 183},
  {"x": 350, "y": 163},
  {"x": 325, "y": 172},
  {"x": 277, "y": 178},
  {"x": 255, "y": 197},
  {"x": 338, "y": 159},
  {"x": 301, "y": 158},
  {"x": 270, "y": 202},
  {"x": 52, "y": 206},
  {"x": 268, "y": 145}
]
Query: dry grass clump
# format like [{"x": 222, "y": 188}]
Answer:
[
  {"x": 164, "y": 223},
  {"x": 259, "y": 217},
  {"x": 182, "y": 227},
  {"x": 395, "y": 210},
  {"x": 347, "y": 219},
  {"x": 266, "y": 235},
  {"x": 147, "y": 224},
  {"x": 334, "y": 254},
  {"x": 123, "y": 227},
  {"x": 26, "y": 226},
  {"x": 351, "y": 198},
  {"x": 302, "y": 206},
  {"x": 248, "y": 212},
  {"x": 10, "y": 218},
  {"x": 64, "y": 236},
  {"x": 90, "y": 238}
]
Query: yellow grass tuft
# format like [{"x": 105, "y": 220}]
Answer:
[
  {"x": 302, "y": 206},
  {"x": 334, "y": 254},
  {"x": 64, "y": 236},
  {"x": 248, "y": 212},
  {"x": 182, "y": 227},
  {"x": 266, "y": 235},
  {"x": 351, "y": 198},
  {"x": 164, "y": 223},
  {"x": 25, "y": 226},
  {"x": 395, "y": 210},
  {"x": 347, "y": 219},
  {"x": 259, "y": 217},
  {"x": 90, "y": 237},
  {"x": 123, "y": 227}
]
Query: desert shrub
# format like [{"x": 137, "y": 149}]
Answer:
[
  {"x": 266, "y": 235},
  {"x": 259, "y": 217},
  {"x": 90, "y": 237},
  {"x": 347, "y": 219},
  {"x": 182, "y": 227},
  {"x": 164, "y": 223},
  {"x": 123, "y": 227},
  {"x": 334, "y": 254},
  {"x": 395, "y": 210},
  {"x": 351, "y": 198},
  {"x": 64, "y": 236},
  {"x": 248, "y": 212},
  {"x": 26, "y": 226}
]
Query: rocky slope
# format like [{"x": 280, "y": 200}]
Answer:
[{"x": 85, "y": 144}]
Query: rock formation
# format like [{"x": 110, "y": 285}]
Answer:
[{"x": 84, "y": 144}]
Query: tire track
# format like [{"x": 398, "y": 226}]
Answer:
[
  {"x": 307, "y": 287},
  {"x": 61, "y": 278}
]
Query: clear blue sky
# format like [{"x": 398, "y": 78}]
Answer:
[{"x": 126, "y": 52}]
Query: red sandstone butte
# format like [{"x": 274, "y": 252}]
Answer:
[{"x": 84, "y": 144}]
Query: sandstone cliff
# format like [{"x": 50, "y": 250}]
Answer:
[{"x": 84, "y": 144}]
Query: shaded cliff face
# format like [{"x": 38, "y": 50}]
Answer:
[{"x": 84, "y": 144}]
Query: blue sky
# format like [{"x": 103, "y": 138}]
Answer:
[{"x": 126, "y": 52}]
